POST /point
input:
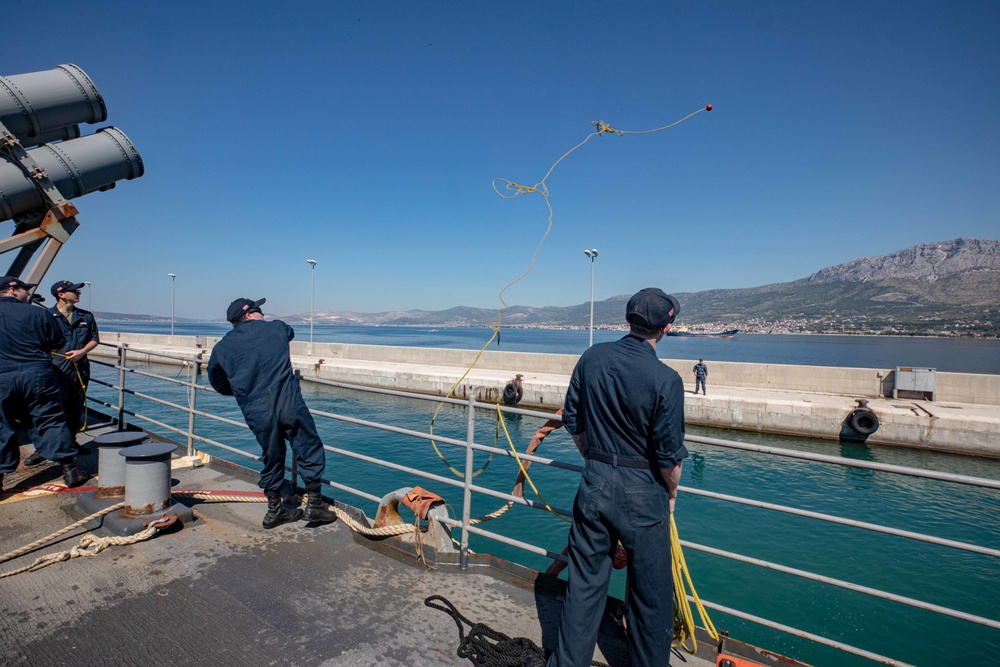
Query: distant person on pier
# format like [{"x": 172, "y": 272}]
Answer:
[
  {"x": 252, "y": 363},
  {"x": 700, "y": 375},
  {"x": 625, "y": 411},
  {"x": 70, "y": 361},
  {"x": 29, "y": 392}
]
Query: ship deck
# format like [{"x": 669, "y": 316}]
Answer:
[{"x": 224, "y": 591}]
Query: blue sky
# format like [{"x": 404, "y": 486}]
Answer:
[{"x": 366, "y": 136}]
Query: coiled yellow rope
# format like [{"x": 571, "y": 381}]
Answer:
[{"x": 683, "y": 618}]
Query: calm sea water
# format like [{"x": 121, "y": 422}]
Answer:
[
  {"x": 967, "y": 582},
  {"x": 954, "y": 355}
]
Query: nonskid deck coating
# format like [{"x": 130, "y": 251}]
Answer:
[{"x": 224, "y": 591}]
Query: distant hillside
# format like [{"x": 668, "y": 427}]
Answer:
[
  {"x": 946, "y": 288},
  {"x": 928, "y": 262},
  {"x": 103, "y": 316}
]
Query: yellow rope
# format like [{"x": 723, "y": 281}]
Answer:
[
  {"x": 683, "y": 618},
  {"x": 524, "y": 470},
  {"x": 83, "y": 385},
  {"x": 459, "y": 473},
  {"x": 512, "y": 190}
]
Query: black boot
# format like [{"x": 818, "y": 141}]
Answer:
[
  {"x": 277, "y": 513},
  {"x": 71, "y": 473},
  {"x": 32, "y": 459},
  {"x": 316, "y": 507}
]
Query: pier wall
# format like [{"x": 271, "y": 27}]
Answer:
[
  {"x": 971, "y": 388},
  {"x": 814, "y": 401}
]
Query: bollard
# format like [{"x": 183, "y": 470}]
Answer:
[
  {"x": 111, "y": 466},
  {"x": 147, "y": 478}
]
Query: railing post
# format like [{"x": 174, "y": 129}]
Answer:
[
  {"x": 470, "y": 437},
  {"x": 191, "y": 457},
  {"x": 122, "y": 355},
  {"x": 192, "y": 400}
]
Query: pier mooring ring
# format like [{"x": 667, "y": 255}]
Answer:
[{"x": 863, "y": 421}]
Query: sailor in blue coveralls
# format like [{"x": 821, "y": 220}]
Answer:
[
  {"x": 70, "y": 361},
  {"x": 700, "y": 375},
  {"x": 252, "y": 363},
  {"x": 625, "y": 411},
  {"x": 29, "y": 393}
]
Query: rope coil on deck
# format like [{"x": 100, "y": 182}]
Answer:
[
  {"x": 59, "y": 533},
  {"x": 487, "y": 647},
  {"x": 90, "y": 545}
]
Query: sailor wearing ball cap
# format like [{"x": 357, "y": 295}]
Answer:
[
  {"x": 29, "y": 393},
  {"x": 72, "y": 365},
  {"x": 625, "y": 411},
  {"x": 252, "y": 363}
]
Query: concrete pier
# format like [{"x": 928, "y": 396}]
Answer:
[{"x": 812, "y": 401}]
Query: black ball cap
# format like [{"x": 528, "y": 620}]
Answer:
[
  {"x": 652, "y": 308},
  {"x": 7, "y": 282},
  {"x": 66, "y": 286},
  {"x": 241, "y": 307}
]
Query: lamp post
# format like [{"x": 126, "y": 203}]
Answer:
[
  {"x": 173, "y": 294},
  {"x": 592, "y": 254},
  {"x": 90, "y": 302},
  {"x": 312, "y": 305}
]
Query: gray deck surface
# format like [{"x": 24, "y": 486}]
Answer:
[{"x": 223, "y": 591}]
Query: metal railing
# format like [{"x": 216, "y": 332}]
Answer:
[{"x": 469, "y": 488}]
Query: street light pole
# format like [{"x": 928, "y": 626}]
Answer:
[
  {"x": 173, "y": 294},
  {"x": 592, "y": 254},
  {"x": 312, "y": 306},
  {"x": 90, "y": 302}
]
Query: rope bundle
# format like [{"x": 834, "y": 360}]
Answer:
[
  {"x": 486, "y": 647},
  {"x": 90, "y": 545},
  {"x": 483, "y": 645}
]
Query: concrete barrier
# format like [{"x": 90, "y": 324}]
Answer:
[
  {"x": 973, "y": 388},
  {"x": 812, "y": 401}
]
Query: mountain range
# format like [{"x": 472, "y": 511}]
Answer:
[{"x": 944, "y": 288}]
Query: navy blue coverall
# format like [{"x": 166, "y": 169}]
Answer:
[
  {"x": 79, "y": 331},
  {"x": 626, "y": 405},
  {"x": 29, "y": 393},
  {"x": 700, "y": 374},
  {"x": 252, "y": 363}
]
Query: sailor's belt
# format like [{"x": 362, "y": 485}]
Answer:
[{"x": 617, "y": 462}]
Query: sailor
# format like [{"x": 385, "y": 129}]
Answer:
[
  {"x": 252, "y": 363},
  {"x": 71, "y": 364},
  {"x": 29, "y": 392},
  {"x": 700, "y": 374},
  {"x": 625, "y": 411}
]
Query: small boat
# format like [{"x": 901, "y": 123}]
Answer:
[{"x": 684, "y": 331}]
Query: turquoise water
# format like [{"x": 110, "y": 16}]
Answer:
[{"x": 963, "y": 581}]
